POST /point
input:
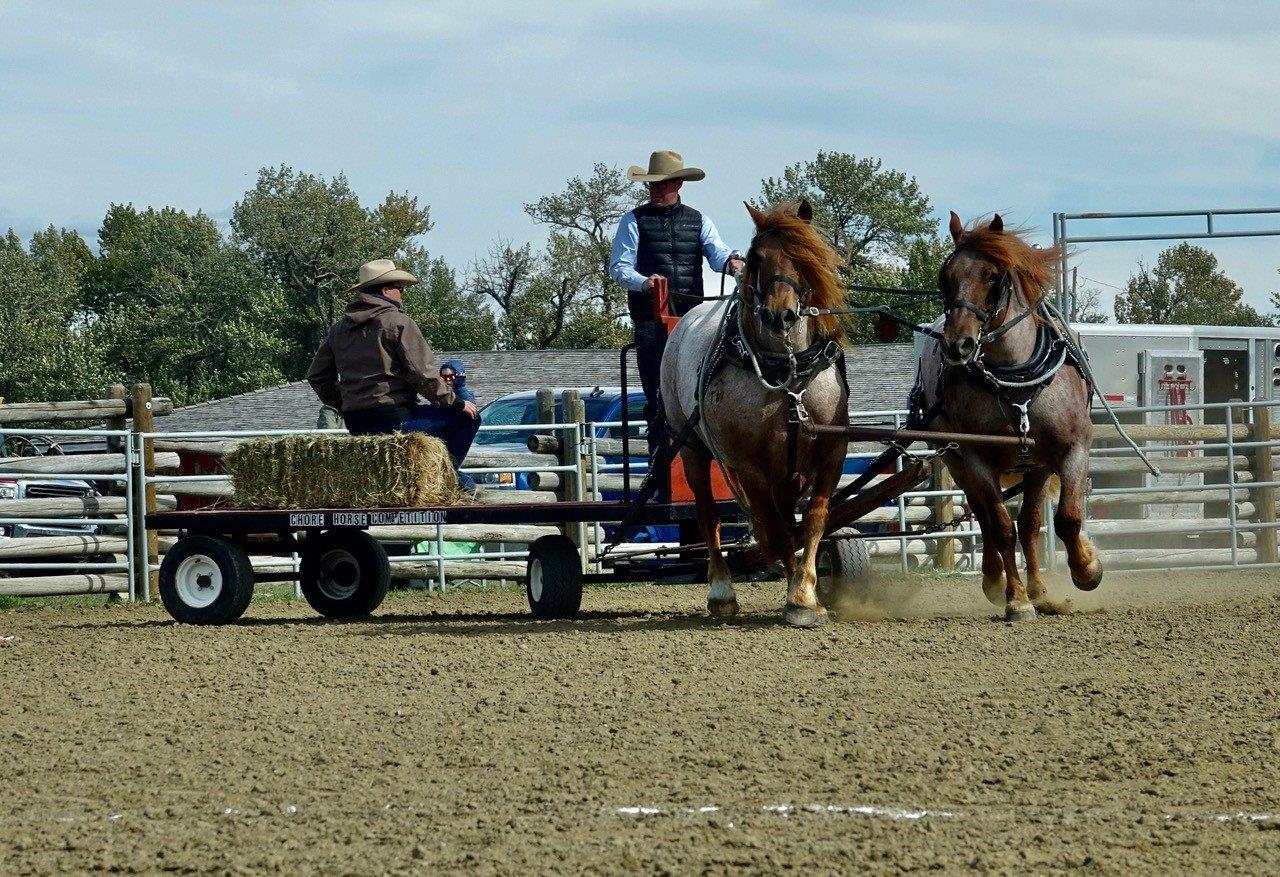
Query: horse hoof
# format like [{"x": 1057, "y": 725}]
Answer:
[
  {"x": 802, "y": 616},
  {"x": 1020, "y": 612},
  {"x": 994, "y": 591},
  {"x": 1091, "y": 579},
  {"x": 723, "y": 608}
]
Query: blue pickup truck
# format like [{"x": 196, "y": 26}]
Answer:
[{"x": 603, "y": 404}]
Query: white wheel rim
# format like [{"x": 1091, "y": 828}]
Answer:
[
  {"x": 535, "y": 580},
  {"x": 339, "y": 574},
  {"x": 198, "y": 581}
]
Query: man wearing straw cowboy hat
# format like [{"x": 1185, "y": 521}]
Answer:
[
  {"x": 375, "y": 362},
  {"x": 663, "y": 238}
]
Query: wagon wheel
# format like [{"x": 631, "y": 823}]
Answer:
[
  {"x": 553, "y": 582},
  {"x": 206, "y": 580},
  {"x": 845, "y": 579},
  {"x": 344, "y": 573}
]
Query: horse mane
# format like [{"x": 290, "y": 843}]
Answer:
[
  {"x": 815, "y": 261},
  {"x": 1036, "y": 267}
]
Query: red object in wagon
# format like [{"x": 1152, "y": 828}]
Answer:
[{"x": 680, "y": 489}]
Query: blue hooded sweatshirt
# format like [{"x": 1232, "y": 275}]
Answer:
[{"x": 460, "y": 382}]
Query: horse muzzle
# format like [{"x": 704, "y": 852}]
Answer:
[
  {"x": 778, "y": 322},
  {"x": 960, "y": 351}
]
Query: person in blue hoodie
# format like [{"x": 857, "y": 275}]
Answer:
[{"x": 455, "y": 428}]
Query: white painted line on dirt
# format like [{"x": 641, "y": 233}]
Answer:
[
  {"x": 788, "y": 809},
  {"x": 877, "y": 810}
]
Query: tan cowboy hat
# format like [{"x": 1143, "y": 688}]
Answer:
[
  {"x": 380, "y": 272},
  {"x": 665, "y": 164}
]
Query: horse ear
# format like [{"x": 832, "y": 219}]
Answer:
[
  {"x": 756, "y": 216},
  {"x": 997, "y": 224},
  {"x": 957, "y": 227},
  {"x": 805, "y": 211}
]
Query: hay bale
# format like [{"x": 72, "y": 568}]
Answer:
[{"x": 380, "y": 471}]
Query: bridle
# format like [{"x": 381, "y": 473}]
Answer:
[
  {"x": 780, "y": 323},
  {"x": 1009, "y": 287}
]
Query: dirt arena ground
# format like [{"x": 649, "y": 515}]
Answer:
[{"x": 1140, "y": 733}]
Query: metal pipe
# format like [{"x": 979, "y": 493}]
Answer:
[
  {"x": 1148, "y": 214},
  {"x": 1187, "y": 236},
  {"x": 878, "y": 433},
  {"x": 1231, "y": 487},
  {"x": 131, "y": 537}
]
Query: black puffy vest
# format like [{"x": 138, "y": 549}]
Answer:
[{"x": 670, "y": 245}]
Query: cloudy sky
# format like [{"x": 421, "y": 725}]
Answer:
[{"x": 1025, "y": 108}]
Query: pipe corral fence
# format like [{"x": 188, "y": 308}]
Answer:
[{"x": 1214, "y": 506}]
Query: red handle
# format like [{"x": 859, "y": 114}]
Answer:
[{"x": 661, "y": 299}]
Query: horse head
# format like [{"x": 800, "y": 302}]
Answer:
[
  {"x": 790, "y": 269},
  {"x": 991, "y": 277}
]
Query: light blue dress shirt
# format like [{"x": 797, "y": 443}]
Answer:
[{"x": 622, "y": 262}]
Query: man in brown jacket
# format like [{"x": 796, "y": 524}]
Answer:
[{"x": 375, "y": 362}]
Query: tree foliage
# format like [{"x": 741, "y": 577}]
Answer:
[
  {"x": 1186, "y": 287},
  {"x": 170, "y": 301},
  {"x": 45, "y": 353},
  {"x": 1088, "y": 306},
  {"x": 878, "y": 221},
  {"x": 582, "y": 217},
  {"x": 309, "y": 236}
]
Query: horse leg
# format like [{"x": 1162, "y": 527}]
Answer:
[
  {"x": 992, "y": 565},
  {"x": 802, "y": 608},
  {"x": 1000, "y": 532},
  {"x": 1068, "y": 521},
  {"x": 722, "y": 602},
  {"x": 1029, "y": 519}
]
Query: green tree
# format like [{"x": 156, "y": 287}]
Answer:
[
  {"x": 450, "y": 317},
  {"x": 309, "y": 236},
  {"x": 878, "y": 221},
  {"x": 45, "y": 354},
  {"x": 1186, "y": 287},
  {"x": 540, "y": 300},
  {"x": 170, "y": 301},
  {"x": 1088, "y": 306},
  {"x": 582, "y": 217}
]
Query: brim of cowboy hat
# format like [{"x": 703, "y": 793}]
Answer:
[
  {"x": 641, "y": 175},
  {"x": 393, "y": 276}
]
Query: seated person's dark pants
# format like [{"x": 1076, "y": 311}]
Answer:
[
  {"x": 651, "y": 341},
  {"x": 454, "y": 428},
  {"x": 383, "y": 420}
]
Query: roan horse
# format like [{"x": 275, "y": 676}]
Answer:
[
  {"x": 783, "y": 364},
  {"x": 1002, "y": 366}
]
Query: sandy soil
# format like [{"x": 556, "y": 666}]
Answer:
[{"x": 1139, "y": 734}]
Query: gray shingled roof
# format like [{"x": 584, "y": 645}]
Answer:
[{"x": 880, "y": 377}]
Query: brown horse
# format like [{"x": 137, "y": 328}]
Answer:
[
  {"x": 993, "y": 371},
  {"x": 745, "y": 406}
]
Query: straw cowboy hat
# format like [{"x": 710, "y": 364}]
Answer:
[
  {"x": 380, "y": 272},
  {"x": 665, "y": 165}
]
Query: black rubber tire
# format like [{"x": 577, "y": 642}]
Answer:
[
  {"x": 231, "y": 570},
  {"x": 344, "y": 573},
  {"x": 553, "y": 578},
  {"x": 844, "y": 572}
]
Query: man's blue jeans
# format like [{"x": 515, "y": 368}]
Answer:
[{"x": 454, "y": 428}]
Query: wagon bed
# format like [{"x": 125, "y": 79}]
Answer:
[{"x": 206, "y": 578}]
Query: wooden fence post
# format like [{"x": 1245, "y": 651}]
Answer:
[
  {"x": 1264, "y": 498},
  {"x": 572, "y": 482},
  {"x": 148, "y": 543},
  {"x": 944, "y": 510}
]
